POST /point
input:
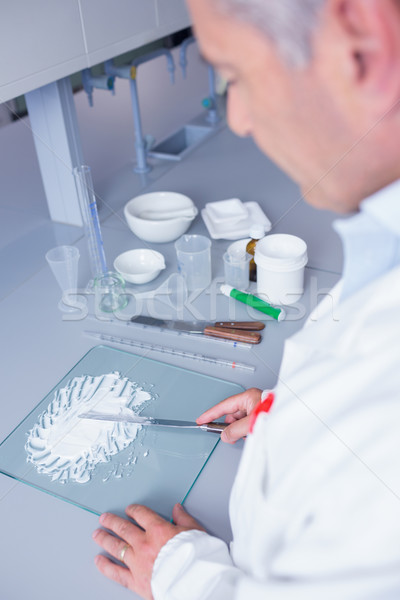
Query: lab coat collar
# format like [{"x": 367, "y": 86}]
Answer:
[
  {"x": 371, "y": 239},
  {"x": 384, "y": 207}
]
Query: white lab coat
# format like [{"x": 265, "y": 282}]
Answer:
[{"x": 315, "y": 508}]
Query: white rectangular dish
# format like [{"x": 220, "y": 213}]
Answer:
[{"x": 239, "y": 229}]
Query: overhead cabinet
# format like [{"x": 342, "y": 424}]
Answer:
[
  {"x": 117, "y": 26},
  {"x": 40, "y": 42},
  {"x": 46, "y": 40}
]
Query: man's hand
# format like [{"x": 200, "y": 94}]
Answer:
[
  {"x": 237, "y": 410},
  {"x": 139, "y": 545}
]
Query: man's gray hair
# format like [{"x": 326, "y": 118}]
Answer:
[{"x": 289, "y": 24}]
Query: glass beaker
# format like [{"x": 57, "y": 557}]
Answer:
[{"x": 109, "y": 292}]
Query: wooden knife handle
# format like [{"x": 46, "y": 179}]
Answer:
[
  {"x": 248, "y": 325},
  {"x": 238, "y": 335},
  {"x": 214, "y": 427}
]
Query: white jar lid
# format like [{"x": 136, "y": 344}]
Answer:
[
  {"x": 257, "y": 231},
  {"x": 281, "y": 252}
]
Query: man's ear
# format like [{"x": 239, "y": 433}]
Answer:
[{"x": 370, "y": 30}]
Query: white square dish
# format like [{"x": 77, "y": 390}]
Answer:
[
  {"x": 227, "y": 211},
  {"x": 240, "y": 229}
]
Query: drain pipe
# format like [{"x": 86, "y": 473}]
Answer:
[
  {"x": 142, "y": 144},
  {"x": 210, "y": 103}
]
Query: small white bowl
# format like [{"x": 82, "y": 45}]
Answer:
[
  {"x": 162, "y": 230},
  {"x": 139, "y": 266}
]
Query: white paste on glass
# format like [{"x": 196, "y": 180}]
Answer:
[{"x": 68, "y": 448}]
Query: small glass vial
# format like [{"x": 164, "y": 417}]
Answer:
[{"x": 257, "y": 232}]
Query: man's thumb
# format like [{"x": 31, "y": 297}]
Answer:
[{"x": 183, "y": 519}]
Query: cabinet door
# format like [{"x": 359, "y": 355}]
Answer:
[
  {"x": 112, "y": 27},
  {"x": 172, "y": 15},
  {"x": 40, "y": 41}
]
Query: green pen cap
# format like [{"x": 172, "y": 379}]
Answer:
[{"x": 276, "y": 313}]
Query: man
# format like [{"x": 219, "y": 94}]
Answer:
[{"x": 315, "y": 507}]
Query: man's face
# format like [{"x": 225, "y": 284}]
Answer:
[{"x": 289, "y": 112}]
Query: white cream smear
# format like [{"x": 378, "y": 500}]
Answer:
[{"x": 68, "y": 448}]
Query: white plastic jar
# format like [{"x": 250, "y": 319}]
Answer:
[{"x": 280, "y": 260}]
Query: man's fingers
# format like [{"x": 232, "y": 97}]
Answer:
[
  {"x": 226, "y": 407},
  {"x": 236, "y": 431},
  {"x": 138, "y": 545},
  {"x": 119, "y": 574},
  {"x": 111, "y": 544},
  {"x": 243, "y": 402},
  {"x": 183, "y": 519},
  {"x": 235, "y": 416},
  {"x": 123, "y": 528},
  {"x": 144, "y": 516},
  {"x": 220, "y": 409}
]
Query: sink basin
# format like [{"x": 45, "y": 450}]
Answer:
[{"x": 180, "y": 142}]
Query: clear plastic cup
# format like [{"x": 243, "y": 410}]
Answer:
[
  {"x": 193, "y": 253},
  {"x": 63, "y": 261},
  {"x": 109, "y": 292},
  {"x": 236, "y": 269}
]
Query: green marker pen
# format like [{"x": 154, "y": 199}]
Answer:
[{"x": 276, "y": 313}]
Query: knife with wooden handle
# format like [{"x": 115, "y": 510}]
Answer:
[
  {"x": 239, "y": 331},
  {"x": 237, "y": 335},
  {"x": 246, "y": 325}
]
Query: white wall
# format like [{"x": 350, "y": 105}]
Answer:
[{"x": 106, "y": 129}]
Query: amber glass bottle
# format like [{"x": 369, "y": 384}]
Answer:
[{"x": 257, "y": 232}]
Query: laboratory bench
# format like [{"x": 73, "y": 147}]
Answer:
[{"x": 45, "y": 543}]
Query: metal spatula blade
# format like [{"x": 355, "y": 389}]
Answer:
[{"x": 127, "y": 418}]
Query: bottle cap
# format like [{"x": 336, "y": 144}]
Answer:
[{"x": 257, "y": 231}]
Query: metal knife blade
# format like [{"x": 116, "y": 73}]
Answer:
[
  {"x": 137, "y": 419},
  {"x": 204, "y": 327},
  {"x": 173, "y": 325}
]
